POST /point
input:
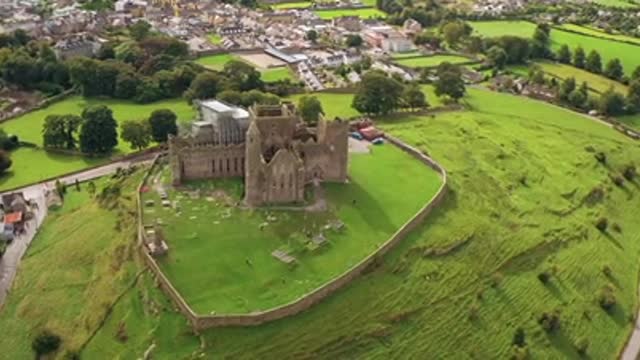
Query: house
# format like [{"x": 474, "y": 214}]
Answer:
[
  {"x": 349, "y": 23},
  {"x": 396, "y": 42},
  {"x": 411, "y": 27},
  {"x": 76, "y": 45}
]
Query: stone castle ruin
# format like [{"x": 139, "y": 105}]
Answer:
[{"x": 269, "y": 145}]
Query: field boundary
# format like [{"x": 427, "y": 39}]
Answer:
[
  {"x": 39, "y": 106},
  {"x": 596, "y": 36},
  {"x": 303, "y": 303}
]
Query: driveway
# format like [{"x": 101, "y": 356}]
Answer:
[{"x": 10, "y": 261}]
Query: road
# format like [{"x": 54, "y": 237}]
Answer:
[
  {"x": 10, "y": 261},
  {"x": 632, "y": 347}
]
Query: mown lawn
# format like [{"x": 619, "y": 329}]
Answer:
[
  {"x": 362, "y": 13},
  {"x": 33, "y": 164},
  {"x": 248, "y": 278},
  {"x": 431, "y": 61},
  {"x": 215, "y": 62},
  {"x": 276, "y": 74},
  {"x": 608, "y": 49},
  {"x": 76, "y": 267},
  {"x": 596, "y": 82},
  {"x": 599, "y": 33}
]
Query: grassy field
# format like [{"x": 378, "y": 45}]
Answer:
[
  {"x": 362, "y": 13},
  {"x": 33, "y": 164},
  {"x": 215, "y": 62},
  {"x": 247, "y": 278},
  {"x": 339, "y": 104},
  {"x": 597, "y": 83},
  {"x": 521, "y": 173},
  {"x": 276, "y": 74},
  {"x": 431, "y": 61},
  {"x": 72, "y": 273},
  {"x": 215, "y": 39},
  {"x": 631, "y": 120},
  {"x": 627, "y": 53},
  {"x": 617, "y": 3},
  {"x": 292, "y": 5},
  {"x": 599, "y": 33}
]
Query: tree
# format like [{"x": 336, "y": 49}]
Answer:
[
  {"x": 232, "y": 97},
  {"x": 5, "y": 161},
  {"x": 312, "y": 35},
  {"x": 205, "y": 86},
  {"x": 541, "y": 43},
  {"x": 310, "y": 109},
  {"x": 98, "y": 134},
  {"x": 136, "y": 133},
  {"x": 611, "y": 103},
  {"x": 353, "y": 40},
  {"x": 450, "y": 82},
  {"x": 414, "y": 98},
  {"x": 497, "y": 57},
  {"x": 633, "y": 97},
  {"x": 45, "y": 343},
  {"x": 568, "y": 85},
  {"x": 453, "y": 32},
  {"x": 593, "y": 62},
  {"x": 162, "y": 123},
  {"x": 578, "y": 57},
  {"x": 242, "y": 76},
  {"x": 564, "y": 54},
  {"x": 106, "y": 51},
  {"x": 59, "y": 131},
  {"x": 377, "y": 94},
  {"x": 252, "y": 97},
  {"x": 519, "y": 338},
  {"x": 127, "y": 85},
  {"x": 614, "y": 69},
  {"x": 636, "y": 74},
  {"x": 577, "y": 98},
  {"x": 139, "y": 30}
]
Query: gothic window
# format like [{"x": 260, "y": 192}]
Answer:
[
  {"x": 213, "y": 166},
  {"x": 291, "y": 181},
  {"x": 228, "y": 165}
]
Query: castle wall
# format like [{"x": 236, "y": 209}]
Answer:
[{"x": 209, "y": 162}]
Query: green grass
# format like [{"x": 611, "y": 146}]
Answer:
[
  {"x": 339, "y": 104},
  {"x": 215, "y": 39},
  {"x": 369, "y": 206},
  {"x": 627, "y": 53},
  {"x": 362, "y": 13},
  {"x": 216, "y": 62},
  {"x": 33, "y": 164},
  {"x": 596, "y": 82},
  {"x": 292, "y": 5},
  {"x": 631, "y": 120},
  {"x": 617, "y": 3},
  {"x": 431, "y": 61},
  {"x": 276, "y": 74},
  {"x": 71, "y": 273},
  {"x": 599, "y": 33}
]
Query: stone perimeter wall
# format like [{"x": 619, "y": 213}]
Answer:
[{"x": 202, "y": 322}]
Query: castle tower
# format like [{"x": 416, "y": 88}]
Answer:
[
  {"x": 335, "y": 134},
  {"x": 254, "y": 177}
]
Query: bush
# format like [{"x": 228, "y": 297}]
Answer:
[
  {"x": 607, "y": 299},
  {"x": 601, "y": 157},
  {"x": 544, "y": 277},
  {"x": 630, "y": 173},
  {"x": 602, "y": 224},
  {"x": 519, "y": 338},
  {"x": 606, "y": 270},
  {"x": 45, "y": 343},
  {"x": 582, "y": 346},
  {"x": 618, "y": 180},
  {"x": 550, "y": 322}
]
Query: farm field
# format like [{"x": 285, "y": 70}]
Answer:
[
  {"x": 445, "y": 305},
  {"x": 631, "y": 120},
  {"x": 431, "y": 61},
  {"x": 596, "y": 82},
  {"x": 599, "y": 33},
  {"x": 617, "y": 3},
  {"x": 32, "y": 164},
  {"x": 215, "y": 62},
  {"x": 292, "y": 5},
  {"x": 253, "y": 280},
  {"x": 627, "y": 53},
  {"x": 277, "y": 74},
  {"x": 365, "y": 13}
]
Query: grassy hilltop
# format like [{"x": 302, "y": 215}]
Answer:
[{"x": 526, "y": 194}]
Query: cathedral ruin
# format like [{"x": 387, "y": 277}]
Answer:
[{"x": 269, "y": 145}]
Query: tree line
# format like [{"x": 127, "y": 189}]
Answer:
[{"x": 95, "y": 131}]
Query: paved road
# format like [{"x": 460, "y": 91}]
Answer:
[
  {"x": 15, "y": 251},
  {"x": 632, "y": 348}
]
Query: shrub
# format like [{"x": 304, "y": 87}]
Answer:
[
  {"x": 45, "y": 343},
  {"x": 607, "y": 299},
  {"x": 618, "y": 180},
  {"x": 550, "y": 322},
  {"x": 582, "y": 346},
  {"x": 616, "y": 227},
  {"x": 544, "y": 277},
  {"x": 519, "y": 338},
  {"x": 606, "y": 270},
  {"x": 630, "y": 173},
  {"x": 602, "y": 224},
  {"x": 520, "y": 353},
  {"x": 496, "y": 279},
  {"x": 601, "y": 157}
]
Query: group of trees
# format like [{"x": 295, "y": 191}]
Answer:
[
  {"x": 95, "y": 131},
  {"x": 31, "y": 64},
  {"x": 378, "y": 93}
]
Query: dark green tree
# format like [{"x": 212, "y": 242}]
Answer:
[
  {"x": 579, "y": 57},
  {"x": 98, "y": 134},
  {"x": 136, "y": 133},
  {"x": 242, "y": 76},
  {"x": 613, "y": 69},
  {"x": 414, "y": 98},
  {"x": 312, "y": 35},
  {"x": 611, "y": 103},
  {"x": 139, "y": 30},
  {"x": 162, "y": 123},
  {"x": 633, "y": 97},
  {"x": 450, "y": 82},
  {"x": 233, "y": 97},
  {"x": 541, "y": 43},
  {"x": 205, "y": 86},
  {"x": 5, "y": 161},
  {"x": 377, "y": 94},
  {"x": 564, "y": 54},
  {"x": 593, "y": 62},
  {"x": 310, "y": 109},
  {"x": 497, "y": 57},
  {"x": 353, "y": 40}
]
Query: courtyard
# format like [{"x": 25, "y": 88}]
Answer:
[{"x": 221, "y": 255}]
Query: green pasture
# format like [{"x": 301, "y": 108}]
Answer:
[
  {"x": 596, "y": 82},
  {"x": 431, "y": 61},
  {"x": 216, "y": 62},
  {"x": 599, "y": 33},
  {"x": 276, "y": 74},
  {"x": 246, "y": 277},
  {"x": 365, "y": 13}
]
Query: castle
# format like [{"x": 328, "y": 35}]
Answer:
[{"x": 268, "y": 145}]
